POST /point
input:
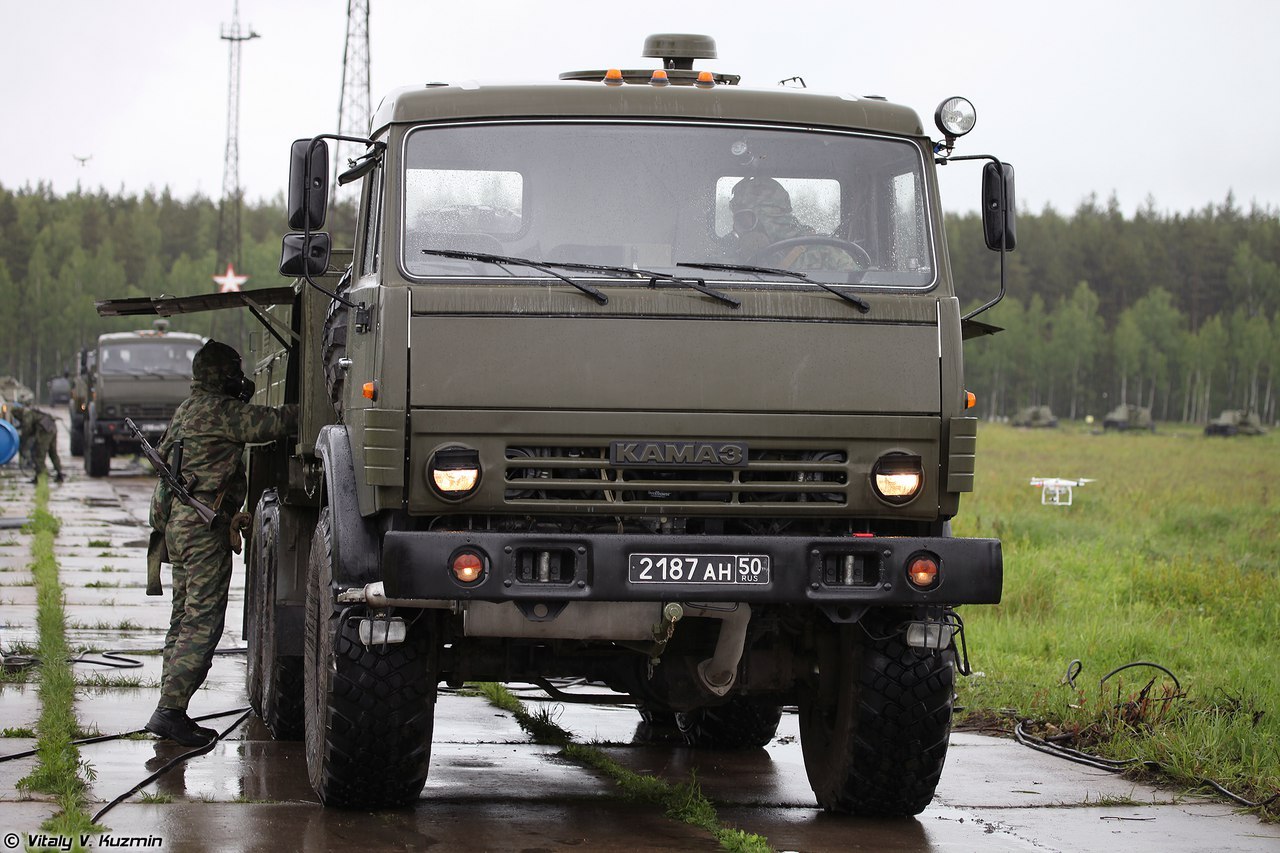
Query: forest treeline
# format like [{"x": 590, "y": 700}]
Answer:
[{"x": 1172, "y": 311}]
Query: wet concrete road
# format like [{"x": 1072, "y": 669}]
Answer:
[{"x": 490, "y": 788}]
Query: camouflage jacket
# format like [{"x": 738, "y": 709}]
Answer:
[
  {"x": 31, "y": 421},
  {"x": 214, "y": 428}
]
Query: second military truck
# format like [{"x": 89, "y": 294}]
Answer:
[
  {"x": 640, "y": 377},
  {"x": 142, "y": 375}
]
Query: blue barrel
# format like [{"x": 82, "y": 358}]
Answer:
[{"x": 8, "y": 442}]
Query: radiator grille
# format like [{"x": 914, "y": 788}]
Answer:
[{"x": 544, "y": 475}]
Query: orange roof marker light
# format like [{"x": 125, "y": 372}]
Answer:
[
  {"x": 613, "y": 77},
  {"x": 706, "y": 80},
  {"x": 659, "y": 78}
]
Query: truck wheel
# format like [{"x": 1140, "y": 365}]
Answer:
[
  {"x": 744, "y": 722},
  {"x": 335, "y": 345},
  {"x": 273, "y": 680},
  {"x": 874, "y": 725},
  {"x": 369, "y": 710},
  {"x": 76, "y": 435},
  {"x": 657, "y": 725},
  {"x": 97, "y": 458}
]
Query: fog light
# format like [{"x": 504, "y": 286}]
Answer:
[
  {"x": 922, "y": 571},
  {"x": 454, "y": 472},
  {"x": 377, "y": 632},
  {"x": 929, "y": 635},
  {"x": 467, "y": 566},
  {"x": 897, "y": 477}
]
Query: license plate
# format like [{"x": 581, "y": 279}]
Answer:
[
  {"x": 154, "y": 427},
  {"x": 698, "y": 568}
]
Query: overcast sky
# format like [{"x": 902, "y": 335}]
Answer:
[{"x": 1173, "y": 100}]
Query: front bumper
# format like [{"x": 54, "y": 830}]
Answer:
[
  {"x": 119, "y": 433},
  {"x": 594, "y": 567}
]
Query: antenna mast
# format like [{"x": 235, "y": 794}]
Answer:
[
  {"x": 354, "y": 113},
  {"x": 229, "y": 205}
]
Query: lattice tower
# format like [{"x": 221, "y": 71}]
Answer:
[
  {"x": 354, "y": 109},
  {"x": 229, "y": 204}
]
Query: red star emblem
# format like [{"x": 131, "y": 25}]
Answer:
[{"x": 229, "y": 282}]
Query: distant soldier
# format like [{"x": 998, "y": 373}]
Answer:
[
  {"x": 40, "y": 439},
  {"x": 213, "y": 425}
]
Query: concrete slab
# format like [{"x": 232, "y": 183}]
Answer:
[
  {"x": 600, "y": 825},
  {"x": 19, "y": 707}
]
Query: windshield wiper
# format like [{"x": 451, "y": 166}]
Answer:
[
  {"x": 500, "y": 260},
  {"x": 862, "y": 305},
  {"x": 545, "y": 267}
]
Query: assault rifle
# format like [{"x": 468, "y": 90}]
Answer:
[
  {"x": 179, "y": 489},
  {"x": 157, "y": 553}
]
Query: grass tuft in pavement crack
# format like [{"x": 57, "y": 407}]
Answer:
[
  {"x": 59, "y": 769},
  {"x": 684, "y": 802}
]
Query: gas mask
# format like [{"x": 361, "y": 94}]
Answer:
[{"x": 240, "y": 386}]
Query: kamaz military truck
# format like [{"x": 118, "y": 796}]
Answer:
[
  {"x": 142, "y": 375},
  {"x": 640, "y": 377}
]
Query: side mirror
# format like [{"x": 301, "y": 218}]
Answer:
[
  {"x": 305, "y": 255},
  {"x": 308, "y": 184},
  {"x": 999, "y": 212}
]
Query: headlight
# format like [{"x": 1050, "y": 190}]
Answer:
[
  {"x": 955, "y": 117},
  {"x": 897, "y": 477},
  {"x": 454, "y": 472}
]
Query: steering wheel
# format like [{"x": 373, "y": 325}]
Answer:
[{"x": 850, "y": 248}]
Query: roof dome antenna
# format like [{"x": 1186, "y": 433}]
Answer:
[{"x": 678, "y": 50}]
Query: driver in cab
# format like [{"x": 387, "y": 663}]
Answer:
[{"x": 762, "y": 217}]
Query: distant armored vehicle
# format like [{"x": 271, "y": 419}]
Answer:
[
  {"x": 1128, "y": 417},
  {"x": 1035, "y": 416},
  {"x": 14, "y": 391},
  {"x": 1235, "y": 422},
  {"x": 640, "y": 377},
  {"x": 142, "y": 375}
]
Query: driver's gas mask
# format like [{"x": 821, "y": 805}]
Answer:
[{"x": 761, "y": 213}]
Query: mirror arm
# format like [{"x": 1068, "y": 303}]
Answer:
[{"x": 1004, "y": 201}]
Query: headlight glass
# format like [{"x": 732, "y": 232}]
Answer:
[
  {"x": 454, "y": 472},
  {"x": 897, "y": 477},
  {"x": 955, "y": 116}
]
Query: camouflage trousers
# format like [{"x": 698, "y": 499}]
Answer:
[
  {"x": 201, "y": 578},
  {"x": 46, "y": 444}
]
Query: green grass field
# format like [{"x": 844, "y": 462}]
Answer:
[{"x": 1172, "y": 556}]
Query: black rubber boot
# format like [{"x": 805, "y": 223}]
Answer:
[{"x": 176, "y": 726}]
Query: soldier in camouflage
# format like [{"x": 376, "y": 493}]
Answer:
[
  {"x": 762, "y": 216},
  {"x": 40, "y": 439},
  {"x": 213, "y": 424}
]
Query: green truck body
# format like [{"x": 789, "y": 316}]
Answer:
[{"x": 562, "y": 416}]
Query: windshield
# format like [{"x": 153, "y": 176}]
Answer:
[
  {"x": 840, "y": 208},
  {"x": 159, "y": 358}
]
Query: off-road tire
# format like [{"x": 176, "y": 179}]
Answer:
[
  {"x": 744, "y": 722},
  {"x": 657, "y": 725},
  {"x": 273, "y": 680},
  {"x": 97, "y": 458},
  {"x": 335, "y": 345},
  {"x": 369, "y": 711},
  {"x": 875, "y": 721},
  {"x": 75, "y": 436}
]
